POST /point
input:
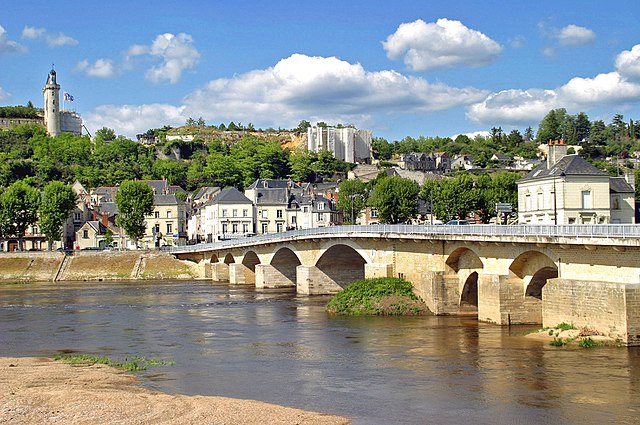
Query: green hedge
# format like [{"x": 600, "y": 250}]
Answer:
[{"x": 382, "y": 296}]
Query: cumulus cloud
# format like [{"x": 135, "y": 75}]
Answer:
[
  {"x": 628, "y": 63},
  {"x": 323, "y": 86},
  {"x": 52, "y": 39},
  {"x": 313, "y": 88},
  {"x": 4, "y": 95},
  {"x": 130, "y": 120},
  {"x": 102, "y": 68},
  {"x": 445, "y": 43},
  {"x": 9, "y": 46},
  {"x": 574, "y": 35},
  {"x": 176, "y": 52},
  {"x": 578, "y": 94}
]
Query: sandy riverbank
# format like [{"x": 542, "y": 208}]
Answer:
[{"x": 43, "y": 391}]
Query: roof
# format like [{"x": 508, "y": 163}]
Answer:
[
  {"x": 167, "y": 200},
  {"x": 569, "y": 165},
  {"x": 272, "y": 184},
  {"x": 230, "y": 195},
  {"x": 620, "y": 185}
]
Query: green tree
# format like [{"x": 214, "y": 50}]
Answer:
[
  {"x": 303, "y": 126},
  {"x": 58, "y": 201},
  {"x": 551, "y": 126},
  {"x": 583, "y": 127},
  {"x": 19, "y": 205},
  {"x": 106, "y": 134},
  {"x": 597, "y": 133},
  {"x": 134, "y": 200},
  {"x": 457, "y": 197},
  {"x": 352, "y": 198},
  {"x": 381, "y": 148},
  {"x": 395, "y": 198}
]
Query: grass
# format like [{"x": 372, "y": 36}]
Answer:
[
  {"x": 134, "y": 364},
  {"x": 381, "y": 297},
  {"x": 589, "y": 343}
]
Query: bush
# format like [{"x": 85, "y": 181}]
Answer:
[{"x": 382, "y": 296}]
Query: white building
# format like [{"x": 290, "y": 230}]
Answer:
[
  {"x": 346, "y": 143},
  {"x": 56, "y": 120},
  {"x": 228, "y": 215}
]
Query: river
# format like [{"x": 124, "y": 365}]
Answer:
[{"x": 275, "y": 346}]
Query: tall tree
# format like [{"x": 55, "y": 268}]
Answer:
[
  {"x": 352, "y": 198},
  {"x": 582, "y": 126},
  {"x": 134, "y": 200},
  {"x": 395, "y": 198},
  {"x": 19, "y": 209},
  {"x": 58, "y": 201}
]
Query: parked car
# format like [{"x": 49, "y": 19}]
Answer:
[{"x": 457, "y": 223}]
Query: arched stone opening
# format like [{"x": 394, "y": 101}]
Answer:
[
  {"x": 214, "y": 258},
  {"x": 529, "y": 272},
  {"x": 250, "y": 260},
  {"x": 342, "y": 264},
  {"x": 469, "y": 294},
  {"x": 285, "y": 261},
  {"x": 228, "y": 259},
  {"x": 462, "y": 273}
]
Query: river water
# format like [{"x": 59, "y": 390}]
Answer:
[{"x": 275, "y": 346}]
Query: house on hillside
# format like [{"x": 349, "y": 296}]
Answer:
[{"x": 566, "y": 189}]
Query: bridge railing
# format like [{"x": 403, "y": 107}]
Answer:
[{"x": 528, "y": 230}]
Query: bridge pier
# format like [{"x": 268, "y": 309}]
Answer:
[
  {"x": 503, "y": 300},
  {"x": 610, "y": 308},
  {"x": 378, "y": 270},
  {"x": 239, "y": 274},
  {"x": 310, "y": 280},
  {"x": 440, "y": 293},
  {"x": 219, "y": 272},
  {"x": 268, "y": 276}
]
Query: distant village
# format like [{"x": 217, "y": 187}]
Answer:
[{"x": 555, "y": 188}]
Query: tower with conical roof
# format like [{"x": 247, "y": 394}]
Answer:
[{"x": 51, "y": 92}]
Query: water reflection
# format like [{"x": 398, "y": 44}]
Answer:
[{"x": 275, "y": 346}]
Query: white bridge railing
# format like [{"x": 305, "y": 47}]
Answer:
[{"x": 624, "y": 231}]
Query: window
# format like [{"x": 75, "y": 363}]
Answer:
[
  {"x": 156, "y": 214},
  {"x": 156, "y": 229},
  {"x": 224, "y": 213},
  {"x": 169, "y": 214},
  {"x": 245, "y": 228},
  {"x": 320, "y": 206},
  {"x": 527, "y": 202},
  {"x": 264, "y": 227},
  {"x": 374, "y": 213},
  {"x": 234, "y": 212},
  {"x": 234, "y": 228},
  {"x": 224, "y": 229},
  {"x": 305, "y": 209},
  {"x": 320, "y": 217},
  {"x": 615, "y": 203},
  {"x": 294, "y": 219},
  {"x": 85, "y": 234},
  {"x": 264, "y": 214},
  {"x": 245, "y": 212},
  {"x": 586, "y": 199},
  {"x": 278, "y": 213},
  {"x": 279, "y": 227},
  {"x": 540, "y": 201},
  {"x": 169, "y": 228},
  {"x": 77, "y": 217}
]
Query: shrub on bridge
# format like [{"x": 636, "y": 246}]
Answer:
[{"x": 382, "y": 296}]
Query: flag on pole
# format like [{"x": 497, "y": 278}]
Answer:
[{"x": 68, "y": 97}]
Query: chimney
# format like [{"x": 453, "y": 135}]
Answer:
[
  {"x": 630, "y": 178},
  {"x": 557, "y": 150},
  {"x": 95, "y": 214},
  {"x": 105, "y": 219}
]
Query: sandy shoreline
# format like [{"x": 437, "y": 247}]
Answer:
[{"x": 43, "y": 391}]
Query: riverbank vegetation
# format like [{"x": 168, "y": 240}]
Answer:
[
  {"x": 133, "y": 364},
  {"x": 377, "y": 297},
  {"x": 565, "y": 334}
]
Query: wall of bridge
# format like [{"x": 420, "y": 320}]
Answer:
[{"x": 589, "y": 285}]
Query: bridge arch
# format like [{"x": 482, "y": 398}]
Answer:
[
  {"x": 286, "y": 262},
  {"x": 214, "y": 258},
  {"x": 228, "y": 259},
  {"x": 465, "y": 265},
  {"x": 532, "y": 269},
  {"x": 342, "y": 263}
]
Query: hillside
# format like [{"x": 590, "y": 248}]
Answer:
[{"x": 288, "y": 139}]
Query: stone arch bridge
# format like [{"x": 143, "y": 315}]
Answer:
[{"x": 579, "y": 274}]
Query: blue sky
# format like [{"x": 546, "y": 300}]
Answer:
[{"x": 406, "y": 68}]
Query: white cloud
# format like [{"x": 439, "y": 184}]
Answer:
[
  {"x": 573, "y": 35},
  {"x": 517, "y": 42},
  {"x": 130, "y": 120},
  {"x": 52, "y": 39},
  {"x": 628, "y": 63},
  {"x": 102, "y": 68},
  {"x": 4, "y": 95},
  {"x": 176, "y": 51},
  {"x": 578, "y": 94},
  {"x": 9, "y": 46},
  {"x": 297, "y": 87},
  {"x": 442, "y": 44}
]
